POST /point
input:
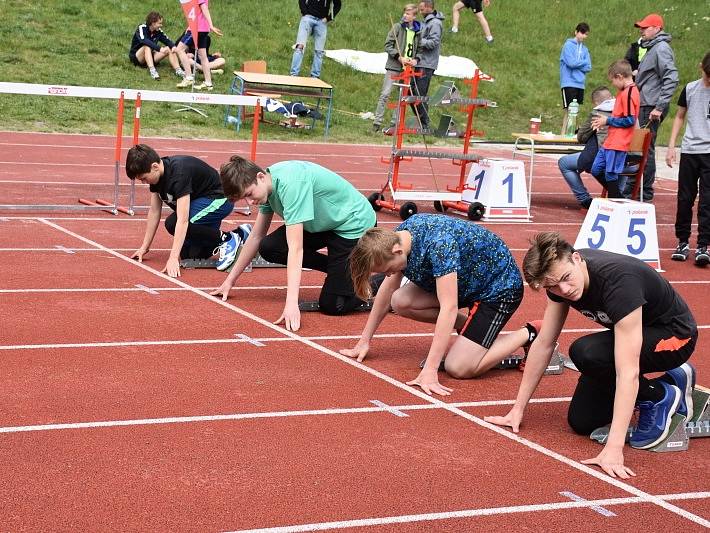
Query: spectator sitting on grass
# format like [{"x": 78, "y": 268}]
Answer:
[{"x": 145, "y": 49}]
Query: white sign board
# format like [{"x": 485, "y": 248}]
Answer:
[
  {"x": 498, "y": 184},
  {"x": 623, "y": 227}
]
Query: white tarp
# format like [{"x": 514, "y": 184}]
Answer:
[{"x": 374, "y": 63}]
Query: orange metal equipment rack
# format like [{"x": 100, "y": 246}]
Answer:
[{"x": 451, "y": 198}]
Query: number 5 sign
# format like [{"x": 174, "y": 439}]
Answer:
[
  {"x": 499, "y": 185},
  {"x": 623, "y": 227}
]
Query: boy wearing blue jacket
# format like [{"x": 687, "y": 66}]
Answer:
[{"x": 575, "y": 62}]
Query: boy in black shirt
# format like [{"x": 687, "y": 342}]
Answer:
[
  {"x": 193, "y": 190},
  {"x": 649, "y": 329}
]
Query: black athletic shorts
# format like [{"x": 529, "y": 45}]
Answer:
[
  {"x": 569, "y": 94},
  {"x": 486, "y": 319},
  {"x": 475, "y": 5}
]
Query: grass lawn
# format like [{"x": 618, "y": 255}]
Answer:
[{"x": 85, "y": 42}]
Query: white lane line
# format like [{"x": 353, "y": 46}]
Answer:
[
  {"x": 247, "y": 338},
  {"x": 61, "y": 248},
  {"x": 173, "y": 289},
  {"x": 380, "y": 407},
  {"x": 467, "y": 513},
  {"x": 146, "y": 289},
  {"x": 238, "y": 340},
  {"x": 596, "y": 508},
  {"x": 116, "y": 344},
  {"x": 396, "y": 412},
  {"x": 415, "y": 392}
]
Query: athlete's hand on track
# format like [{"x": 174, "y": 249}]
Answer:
[
  {"x": 511, "y": 420},
  {"x": 223, "y": 290},
  {"x": 612, "y": 462},
  {"x": 172, "y": 268},
  {"x": 139, "y": 253},
  {"x": 429, "y": 382},
  {"x": 291, "y": 316},
  {"x": 359, "y": 351}
]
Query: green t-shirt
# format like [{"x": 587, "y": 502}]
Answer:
[{"x": 321, "y": 200}]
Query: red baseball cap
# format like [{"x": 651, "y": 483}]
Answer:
[{"x": 654, "y": 19}]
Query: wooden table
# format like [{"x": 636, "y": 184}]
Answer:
[
  {"x": 276, "y": 84},
  {"x": 530, "y": 143}
]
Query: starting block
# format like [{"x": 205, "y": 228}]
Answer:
[
  {"x": 260, "y": 262},
  {"x": 699, "y": 425},
  {"x": 310, "y": 306},
  {"x": 555, "y": 366},
  {"x": 680, "y": 431},
  {"x": 198, "y": 263}
]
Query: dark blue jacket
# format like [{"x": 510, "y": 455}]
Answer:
[{"x": 144, "y": 37}]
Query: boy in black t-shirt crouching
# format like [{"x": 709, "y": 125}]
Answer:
[
  {"x": 649, "y": 329},
  {"x": 193, "y": 190}
]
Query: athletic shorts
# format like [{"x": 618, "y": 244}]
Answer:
[
  {"x": 203, "y": 39},
  {"x": 486, "y": 319},
  {"x": 475, "y": 5},
  {"x": 569, "y": 94}
]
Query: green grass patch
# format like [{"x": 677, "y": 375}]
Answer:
[{"x": 85, "y": 42}]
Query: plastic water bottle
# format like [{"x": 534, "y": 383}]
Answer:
[{"x": 572, "y": 112}]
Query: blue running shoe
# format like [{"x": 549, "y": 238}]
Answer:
[
  {"x": 243, "y": 232},
  {"x": 683, "y": 377},
  {"x": 654, "y": 420},
  {"x": 228, "y": 252}
]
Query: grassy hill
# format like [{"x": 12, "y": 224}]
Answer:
[{"x": 85, "y": 42}]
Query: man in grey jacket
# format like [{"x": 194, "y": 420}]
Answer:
[
  {"x": 429, "y": 50},
  {"x": 656, "y": 79}
]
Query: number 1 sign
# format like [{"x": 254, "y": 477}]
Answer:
[
  {"x": 499, "y": 185},
  {"x": 623, "y": 227}
]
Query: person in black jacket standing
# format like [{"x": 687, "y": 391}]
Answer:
[{"x": 316, "y": 14}]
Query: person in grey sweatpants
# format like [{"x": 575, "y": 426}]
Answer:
[{"x": 656, "y": 79}]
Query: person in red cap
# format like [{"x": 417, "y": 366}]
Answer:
[{"x": 656, "y": 79}]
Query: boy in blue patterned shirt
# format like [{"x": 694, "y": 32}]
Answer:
[{"x": 451, "y": 264}]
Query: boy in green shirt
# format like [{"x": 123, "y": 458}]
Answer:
[{"x": 320, "y": 210}]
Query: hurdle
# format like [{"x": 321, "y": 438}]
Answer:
[{"x": 139, "y": 96}]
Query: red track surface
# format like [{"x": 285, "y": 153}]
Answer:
[{"x": 129, "y": 401}]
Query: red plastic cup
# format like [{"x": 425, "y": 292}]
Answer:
[{"x": 535, "y": 125}]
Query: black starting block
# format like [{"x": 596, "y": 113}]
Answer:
[{"x": 311, "y": 306}]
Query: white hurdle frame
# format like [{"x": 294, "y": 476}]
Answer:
[{"x": 111, "y": 93}]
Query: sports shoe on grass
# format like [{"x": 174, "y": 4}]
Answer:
[
  {"x": 186, "y": 82},
  {"x": 655, "y": 419},
  {"x": 204, "y": 86},
  {"x": 180, "y": 73},
  {"x": 228, "y": 252},
  {"x": 154, "y": 74},
  {"x": 217, "y": 71},
  {"x": 681, "y": 252},
  {"x": 702, "y": 258},
  {"x": 683, "y": 377}
]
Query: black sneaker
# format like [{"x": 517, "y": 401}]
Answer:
[
  {"x": 376, "y": 128},
  {"x": 584, "y": 204},
  {"x": 681, "y": 252},
  {"x": 702, "y": 258}
]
